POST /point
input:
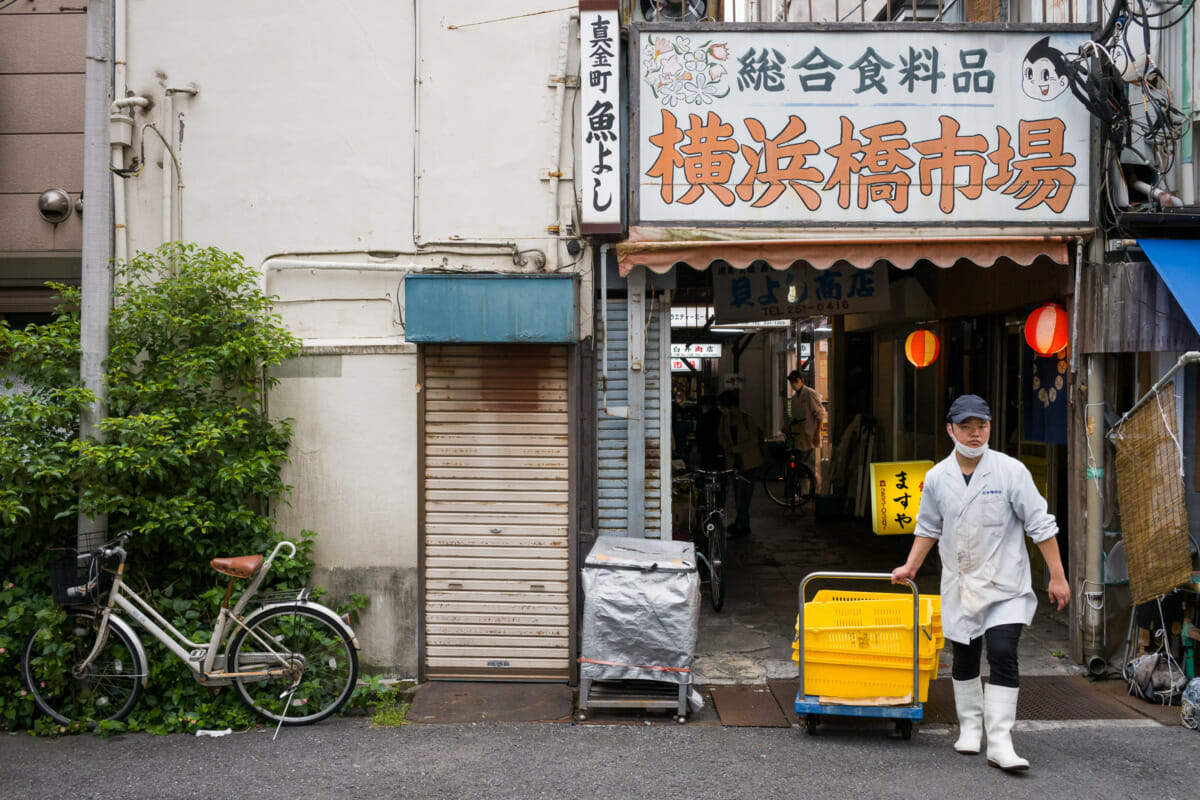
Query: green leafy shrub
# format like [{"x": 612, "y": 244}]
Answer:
[{"x": 189, "y": 461}]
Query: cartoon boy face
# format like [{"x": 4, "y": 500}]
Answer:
[
  {"x": 1041, "y": 80},
  {"x": 1043, "y": 72}
]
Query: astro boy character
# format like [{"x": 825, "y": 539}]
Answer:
[
  {"x": 1044, "y": 73},
  {"x": 977, "y": 507}
]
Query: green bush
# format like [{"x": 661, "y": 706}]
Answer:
[{"x": 189, "y": 461}]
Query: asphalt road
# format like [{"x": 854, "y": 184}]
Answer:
[{"x": 345, "y": 758}]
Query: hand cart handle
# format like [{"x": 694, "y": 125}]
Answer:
[{"x": 874, "y": 576}]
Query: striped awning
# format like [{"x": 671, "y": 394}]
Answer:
[{"x": 661, "y": 248}]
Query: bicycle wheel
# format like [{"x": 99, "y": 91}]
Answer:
[
  {"x": 803, "y": 485},
  {"x": 106, "y": 690},
  {"x": 774, "y": 480},
  {"x": 714, "y": 528},
  {"x": 307, "y": 665}
]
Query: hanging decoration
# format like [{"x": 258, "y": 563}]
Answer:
[
  {"x": 1046, "y": 329},
  {"x": 921, "y": 348}
]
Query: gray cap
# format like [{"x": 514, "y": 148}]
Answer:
[{"x": 969, "y": 405}]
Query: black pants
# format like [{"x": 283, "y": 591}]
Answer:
[{"x": 1002, "y": 643}]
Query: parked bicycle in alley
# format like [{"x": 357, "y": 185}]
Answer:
[
  {"x": 787, "y": 478},
  {"x": 708, "y": 528},
  {"x": 291, "y": 660}
]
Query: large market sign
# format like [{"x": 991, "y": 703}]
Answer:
[{"x": 858, "y": 126}]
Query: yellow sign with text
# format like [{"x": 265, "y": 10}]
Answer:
[{"x": 896, "y": 488}]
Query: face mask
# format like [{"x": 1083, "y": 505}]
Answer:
[{"x": 969, "y": 452}]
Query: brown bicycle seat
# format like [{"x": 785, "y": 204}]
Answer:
[{"x": 240, "y": 567}]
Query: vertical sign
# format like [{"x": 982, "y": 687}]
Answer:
[
  {"x": 600, "y": 106},
  {"x": 896, "y": 488}
]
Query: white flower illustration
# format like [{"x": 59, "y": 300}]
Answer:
[{"x": 677, "y": 74}]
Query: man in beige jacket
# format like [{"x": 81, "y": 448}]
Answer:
[{"x": 807, "y": 414}]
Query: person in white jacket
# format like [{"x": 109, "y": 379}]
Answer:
[{"x": 977, "y": 506}]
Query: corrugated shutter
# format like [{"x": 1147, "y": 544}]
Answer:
[
  {"x": 496, "y": 512},
  {"x": 612, "y": 433}
]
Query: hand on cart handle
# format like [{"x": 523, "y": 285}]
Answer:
[{"x": 904, "y": 573}]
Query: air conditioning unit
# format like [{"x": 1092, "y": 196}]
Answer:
[{"x": 672, "y": 10}]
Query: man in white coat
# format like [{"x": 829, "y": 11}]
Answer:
[{"x": 977, "y": 506}]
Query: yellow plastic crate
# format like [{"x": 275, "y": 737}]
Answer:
[
  {"x": 875, "y": 627},
  {"x": 842, "y": 595},
  {"x": 861, "y": 647},
  {"x": 853, "y": 681}
]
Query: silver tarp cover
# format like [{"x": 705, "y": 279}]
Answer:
[{"x": 641, "y": 610}]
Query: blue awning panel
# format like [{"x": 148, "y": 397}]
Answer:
[
  {"x": 1178, "y": 264},
  {"x": 489, "y": 308}
]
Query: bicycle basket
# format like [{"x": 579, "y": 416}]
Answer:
[{"x": 68, "y": 571}]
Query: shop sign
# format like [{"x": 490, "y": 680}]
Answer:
[
  {"x": 849, "y": 126},
  {"x": 685, "y": 365},
  {"x": 762, "y": 293},
  {"x": 690, "y": 316},
  {"x": 681, "y": 350},
  {"x": 600, "y": 101},
  {"x": 896, "y": 488}
]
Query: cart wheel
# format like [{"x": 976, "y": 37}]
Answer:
[
  {"x": 810, "y": 723},
  {"x": 680, "y": 718},
  {"x": 580, "y": 716},
  {"x": 904, "y": 728}
]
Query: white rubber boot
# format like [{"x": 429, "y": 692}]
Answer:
[
  {"x": 968, "y": 702},
  {"x": 999, "y": 713}
]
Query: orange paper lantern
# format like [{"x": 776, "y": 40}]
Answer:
[
  {"x": 1046, "y": 329},
  {"x": 921, "y": 348}
]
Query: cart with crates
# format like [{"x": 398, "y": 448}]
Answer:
[{"x": 865, "y": 654}]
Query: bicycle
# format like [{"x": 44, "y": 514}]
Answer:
[
  {"x": 790, "y": 482},
  {"x": 708, "y": 528},
  {"x": 292, "y": 661}
]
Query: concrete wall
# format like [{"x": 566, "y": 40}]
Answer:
[{"x": 301, "y": 137}]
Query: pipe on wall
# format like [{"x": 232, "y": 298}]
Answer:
[{"x": 1093, "y": 584}]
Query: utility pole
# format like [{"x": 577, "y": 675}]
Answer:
[{"x": 96, "y": 274}]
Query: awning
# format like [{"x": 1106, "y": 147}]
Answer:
[
  {"x": 460, "y": 307},
  {"x": 1176, "y": 260},
  {"x": 659, "y": 249}
]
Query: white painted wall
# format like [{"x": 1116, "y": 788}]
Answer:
[
  {"x": 300, "y": 148},
  {"x": 301, "y": 137},
  {"x": 354, "y": 478}
]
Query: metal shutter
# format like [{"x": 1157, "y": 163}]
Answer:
[
  {"x": 612, "y": 432},
  {"x": 495, "y": 512}
]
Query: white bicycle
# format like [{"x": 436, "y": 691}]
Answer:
[{"x": 293, "y": 661}]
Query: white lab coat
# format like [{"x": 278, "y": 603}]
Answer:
[{"x": 979, "y": 527}]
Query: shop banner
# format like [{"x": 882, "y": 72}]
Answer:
[
  {"x": 896, "y": 488},
  {"x": 695, "y": 350},
  {"x": 773, "y": 125},
  {"x": 600, "y": 102},
  {"x": 760, "y": 292}
]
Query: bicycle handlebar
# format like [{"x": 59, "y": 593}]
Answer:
[{"x": 284, "y": 543}]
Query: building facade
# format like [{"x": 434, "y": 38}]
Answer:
[{"x": 490, "y": 226}]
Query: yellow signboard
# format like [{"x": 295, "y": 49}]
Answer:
[{"x": 896, "y": 488}]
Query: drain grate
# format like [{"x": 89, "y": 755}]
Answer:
[{"x": 1042, "y": 697}]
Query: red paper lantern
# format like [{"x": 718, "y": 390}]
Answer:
[
  {"x": 1046, "y": 329},
  {"x": 921, "y": 348}
]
